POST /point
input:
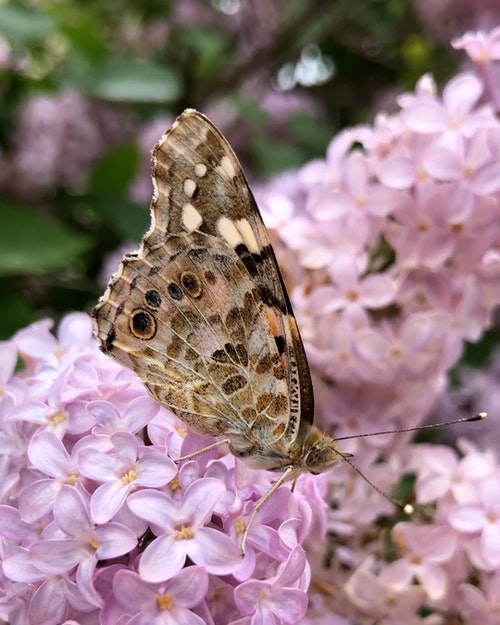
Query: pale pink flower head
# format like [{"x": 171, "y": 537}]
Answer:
[
  {"x": 425, "y": 550},
  {"x": 481, "y": 46},
  {"x": 57, "y": 139},
  {"x": 279, "y": 599},
  {"x": 481, "y": 519},
  {"x": 180, "y": 526},
  {"x": 166, "y": 603}
]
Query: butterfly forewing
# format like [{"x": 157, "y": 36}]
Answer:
[{"x": 200, "y": 312}]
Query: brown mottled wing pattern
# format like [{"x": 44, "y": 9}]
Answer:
[{"x": 200, "y": 312}]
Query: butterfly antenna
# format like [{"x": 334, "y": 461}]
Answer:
[
  {"x": 406, "y": 508},
  {"x": 429, "y": 426}
]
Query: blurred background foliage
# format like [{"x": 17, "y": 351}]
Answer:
[{"x": 87, "y": 87}]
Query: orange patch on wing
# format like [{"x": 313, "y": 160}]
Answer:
[
  {"x": 275, "y": 329},
  {"x": 273, "y": 321}
]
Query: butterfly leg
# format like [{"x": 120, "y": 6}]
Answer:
[
  {"x": 203, "y": 450},
  {"x": 262, "y": 501}
]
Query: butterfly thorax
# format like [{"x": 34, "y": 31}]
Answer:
[{"x": 311, "y": 451}]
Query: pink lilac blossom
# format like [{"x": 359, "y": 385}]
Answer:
[
  {"x": 165, "y": 603},
  {"x": 57, "y": 140},
  {"x": 413, "y": 288},
  {"x": 117, "y": 533}
]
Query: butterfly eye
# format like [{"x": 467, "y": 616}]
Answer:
[
  {"x": 142, "y": 325},
  {"x": 322, "y": 455}
]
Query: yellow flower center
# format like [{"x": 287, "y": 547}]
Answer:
[
  {"x": 71, "y": 479},
  {"x": 165, "y": 602},
  {"x": 94, "y": 543},
  {"x": 130, "y": 476},
  {"x": 184, "y": 533},
  {"x": 60, "y": 416},
  {"x": 175, "y": 483},
  {"x": 240, "y": 525}
]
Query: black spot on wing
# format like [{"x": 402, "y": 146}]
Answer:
[
  {"x": 110, "y": 337},
  {"x": 175, "y": 291},
  {"x": 280, "y": 344},
  {"x": 251, "y": 261},
  {"x": 270, "y": 299},
  {"x": 153, "y": 298}
]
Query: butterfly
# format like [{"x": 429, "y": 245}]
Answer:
[{"x": 201, "y": 312}]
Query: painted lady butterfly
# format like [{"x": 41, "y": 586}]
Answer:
[{"x": 200, "y": 312}]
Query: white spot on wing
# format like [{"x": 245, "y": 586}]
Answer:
[
  {"x": 226, "y": 168},
  {"x": 200, "y": 169},
  {"x": 245, "y": 229},
  {"x": 191, "y": 218},
  {"x": 228, "y": 231},
  {"x": 189, "y": 187}
]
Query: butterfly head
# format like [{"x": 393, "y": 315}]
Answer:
[{"x": 320, "y": 452}]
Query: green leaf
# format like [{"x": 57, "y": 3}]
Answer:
[
  {"x": 31, "y": 243},
  {"x": 275, "y": 157},
  {"x": 84, "y": 32},
  {"x": 21, "y": 25},
  {"x": 132, "y": 81},
  {"x": 313, "y": 133},
  {"x": 478, "y": 354},
  {"x": 124, "y": 218},
  {"x": 14, "y": 312},
  {"x": 114, "y": 172},
  {"x": 208, "y": 49}
]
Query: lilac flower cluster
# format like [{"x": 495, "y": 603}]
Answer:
[
  {"x": 57, "y": 140},
  {"x": 99, "y": 525},
  {"x": 392, "y": 246}
]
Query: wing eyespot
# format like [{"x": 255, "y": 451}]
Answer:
[
  {"x": 142, "y": 324},
  {"x": 175, "y": 291},
  {"x": 152, "y": 299},
  {"x": 191, "y": 284}
]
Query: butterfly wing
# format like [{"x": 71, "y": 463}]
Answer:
[{"x": 200, "y": 312}]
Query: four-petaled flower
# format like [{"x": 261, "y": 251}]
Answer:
[
  {"x": 180, "y": 529},
  {"x": 278, "y": 599},
  {"x": 164, "y": 603}
]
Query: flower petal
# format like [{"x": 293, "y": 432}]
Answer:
[
  {"x": 162, "y": 559},
  {"x": 215, "y": 551}
]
